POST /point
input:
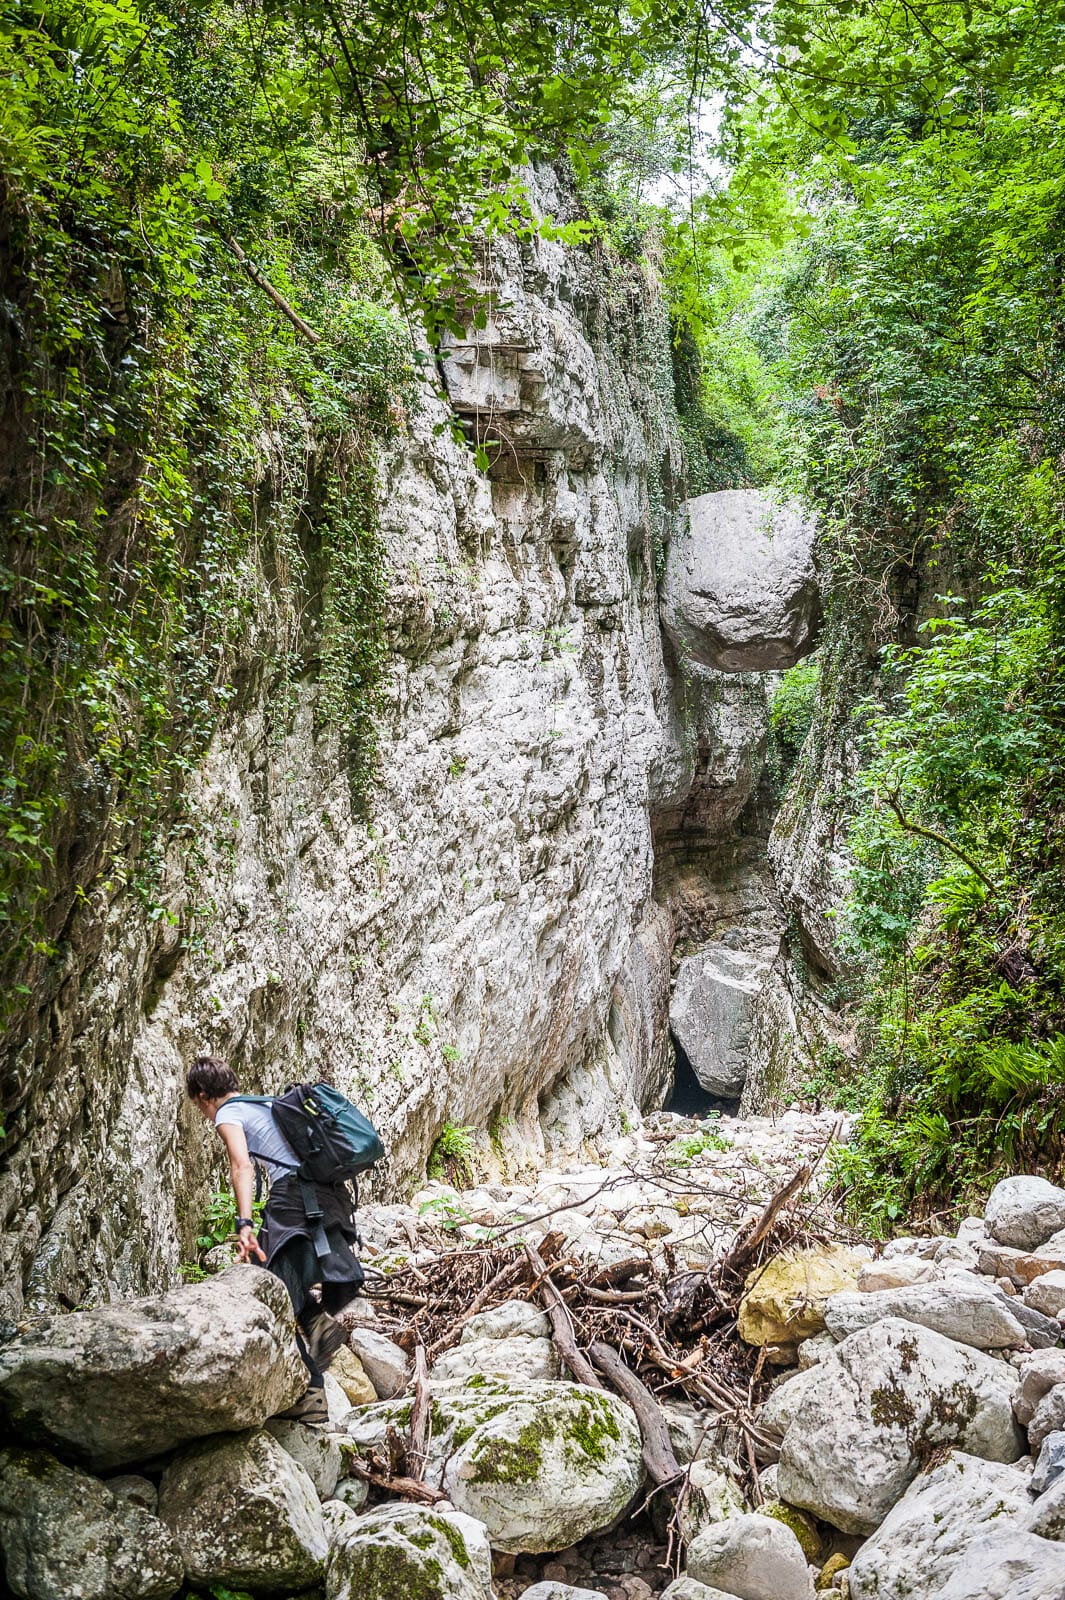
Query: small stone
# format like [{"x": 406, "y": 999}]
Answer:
[
  {"x": 565, "y": 1591},
  {"x": 831, "y": 1570},
  {"x": 1047, "y": 1293},
  {"x": 385, "y": 1364},
  {"x": 349, "y": 1372},
  {"x": 1038, "y": 1374},
  {"x": 352, "y": 1492},
  {"x": 135, "y": 1491},
  {"x": 1048, "y": 1417},
  {"x": 555, "y": 1572}
]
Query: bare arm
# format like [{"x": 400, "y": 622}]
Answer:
[{"x": 242, "y": 1177}]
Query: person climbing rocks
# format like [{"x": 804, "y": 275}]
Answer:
[{"x": 314, "y": 1256}]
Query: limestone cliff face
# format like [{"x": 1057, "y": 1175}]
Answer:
[{"x": 484, "y": 949}]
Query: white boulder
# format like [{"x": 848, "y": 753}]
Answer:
[
  {"x": 1008, "y": 1564},
  {"x": 897, "y": 1272},
  {"x": 972, "y": 1314},
  {"x": 1025, "y": 1212},
  {"x": 130, "y": 1380},
  {"x": 1038, "y": 1374},
  {"x": 244, "y": 1514},
  {"x": 874, "y": 1410},
  {"x": 923, "y": 1538},
  {"x": 511, "y": 1320},
  {"x": 518, "y": 1358},
  {"x": 740, "y": 592},
  {"x": 712, "y": 1012},
  {"x": 1048, "y": 1416},
  {"x": 752, "y": 1557},
  {"x": 1047, "y": 1292},
  {"x": 316, "y": 1450},
  {"x": 711, "y": 1497},
  {"x": 66, "y": 1536}
]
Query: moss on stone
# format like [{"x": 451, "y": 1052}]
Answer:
[
  {"x": 513, "y": 1460},
  {"x": 801, "y": 1524},
  {"x": 593, "y": 1424}
]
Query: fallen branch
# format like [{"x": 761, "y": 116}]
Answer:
[
  {"x": 268, "y": 289},
  {"x": 658, "y": 1457},
  {"x": 418, "y": 1437},
  {"x": 734, "y": 1262},
  {"x": 561, "y": 1327},
  {"x": 397, "y": 1488}
]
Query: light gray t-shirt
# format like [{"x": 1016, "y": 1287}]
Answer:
[{"x": 265, "y": 1140}]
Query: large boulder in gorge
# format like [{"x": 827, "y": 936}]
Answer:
[
  {"x": 1025, "y": 1211},
  {"x": 542, "y": 1465},
  {"x": 711, "y": 1014},
  {"x": 784, "y": 1301},
  {"x": 244, "y": 1514},
  {"x": 923, "y": 1538},
  {"x": 131, "y": 1380},
  {"x": 873, "y": 1412},
  {"x": 66, "y": 1536},
  {"x": 409, "y": 1551},
  {"x": 740, "y": 591},
  {"x": 752, "y": 1557},
  {"x": 969, "y": 1313}
]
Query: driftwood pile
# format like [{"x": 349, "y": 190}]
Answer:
[{"x": 622, "y": 1327}]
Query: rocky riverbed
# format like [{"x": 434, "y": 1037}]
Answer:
[{"x": 861, "y": 1422}]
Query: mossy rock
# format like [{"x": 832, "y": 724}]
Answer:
[
  {"x": 541, "y": 1464},
  {"x": 784, "y": 1301},
  {"x": 406, "y": 1553},
  {"x": 801, "y": 1524},
  {"x": 831, "y": 1570}
]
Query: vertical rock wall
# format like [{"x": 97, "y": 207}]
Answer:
[{"x": 483, "y": 948}]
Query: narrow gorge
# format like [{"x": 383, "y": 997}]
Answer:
[{"x": 532, "y": 689}]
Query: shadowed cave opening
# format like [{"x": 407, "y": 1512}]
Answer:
[{"x": 687, "y": 1096}]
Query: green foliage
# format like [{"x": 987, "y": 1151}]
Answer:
[
  {"x": 452, "y": 1155},
  {"x": 168, "y": 430},
  {"x": 217, "y": 1225},
  {"x": 791, "y": 709},
  {"x": 683, "y": 1151}
]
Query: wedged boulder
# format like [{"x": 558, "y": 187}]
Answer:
[
  {"x": 1019, "y": 1266},
  {"x": 1025, "y": 1212},
  {"x": 752, "y": 1557},
  {"x": 385, "y": 1364},
  {"x": 66, "y": 1536},
  {"x": 244, "y": 1514},
  {"x": 739, "y": 591},
  {"x": 872, "y": 1413},
  {"x": 542, "y": 1465},
  {"x": 711, "y": 1014},
  {"x": 518, "y": 1358},
  {"x": 898, "y": 1273},
  {"x": 970, "y": 1314},
  {"x": 784, "y": 1301},
  {"x": 136, "y": 1378},
  {"x": 1046, "y": 1293},
  {"x": 711, "y": 1497},
  {"x": 1038, "y": 1374},
  {"x": 513, "y": 1319},
  {"x": 1050, "y": 1463},
  {"x": 1047, "y": 1516},
  {"x": 922, "y": 1539},
  {"x": 408, "y": 1551},
  {"x": 1048, "y": 1416},
  {"x": 1007, "y": 1564},
  {"x": 317, "y": 1452}
]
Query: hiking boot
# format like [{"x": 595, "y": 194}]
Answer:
[
  {"x": 323, "y": 1339},
  {"x": 312, "y": 1408}
]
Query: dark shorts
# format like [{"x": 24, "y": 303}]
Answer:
[{"x": 289, "y": 1240}]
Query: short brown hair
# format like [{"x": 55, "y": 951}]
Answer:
[{"x": 212, "y": 1077}]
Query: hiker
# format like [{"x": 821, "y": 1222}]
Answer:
[{"x": 303, "y": 1250}]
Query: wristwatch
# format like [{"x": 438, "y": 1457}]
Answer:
[{"x": 245, "y": 1222}]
